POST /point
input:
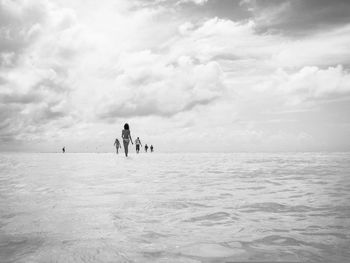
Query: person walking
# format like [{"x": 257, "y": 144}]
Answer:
[
  {"x": 138, "y": 144},
  {"x": 126, "y": 138},
  {"x": 146, "y": 148},
  {"x": 117, "y": 145},
  {"x": 64, "y": 149},
  {"x": 151, "y": 148}
]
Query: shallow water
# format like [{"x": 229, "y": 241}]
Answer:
[{"x": 175, "y": 207}]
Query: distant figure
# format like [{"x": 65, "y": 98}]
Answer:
[
  {"x": 151, "y": 148},
  {"x": 138, "y": 144},
  {"x": 126, "y": 138},
  {"x": 146, "y": 148},
  {"x": 64, "y": 149},
  {"x": 117, "y": 145}
]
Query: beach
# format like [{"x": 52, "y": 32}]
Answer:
[{"x": 193, "y": 207}]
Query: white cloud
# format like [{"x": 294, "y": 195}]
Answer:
[
  {"x": 34, "y": 85},
  {"x": 197, "y": 2},
  {"x": 308, "y": 84},
  {"x": 149, "y": 85},
  {"x": 75, "y": 71},
  {"x": 323, "y": 49}
]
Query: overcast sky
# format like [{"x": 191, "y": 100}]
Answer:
[{"x": 187, "y": 75}]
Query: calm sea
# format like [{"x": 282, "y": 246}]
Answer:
[{"x": 175, "y": 207}]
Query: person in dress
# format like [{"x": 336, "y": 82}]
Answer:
[
  {"x": 126, "y": 138},
  {"x": 117, "y": 145}
]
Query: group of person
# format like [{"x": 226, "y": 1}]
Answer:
[{"x": 126, "y": 136}]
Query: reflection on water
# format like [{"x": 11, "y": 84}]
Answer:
[{"x": 174, "y": 207}]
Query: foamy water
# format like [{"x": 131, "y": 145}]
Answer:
[{"x": 174, "y": 207}]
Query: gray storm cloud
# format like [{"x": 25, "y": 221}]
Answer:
[{"x": 298, "y": 17}]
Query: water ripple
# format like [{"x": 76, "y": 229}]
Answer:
[{"x": 175, "y": 207}]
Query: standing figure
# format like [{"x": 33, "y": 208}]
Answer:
[
  {"x": 138, "y": 144},
  {"x": 126, "y": 138},
  {"x": 117, "y": 145},
  {"x": 151, "y": 148},
  {"x": 64, "y": 149},
  {"x": 146, "y": 148}
]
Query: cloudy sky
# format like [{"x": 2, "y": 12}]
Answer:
[{"x": 187, "y": 75}]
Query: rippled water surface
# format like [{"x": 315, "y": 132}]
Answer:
[{"x": 175, "y": 207}]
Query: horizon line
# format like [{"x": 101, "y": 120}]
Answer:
[{"x": 179, "y": 152}]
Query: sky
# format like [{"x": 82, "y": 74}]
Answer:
[{"x": 187, "y": 75}]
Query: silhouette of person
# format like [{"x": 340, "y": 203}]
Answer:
[
  {"x": 146, "y": 148},
  {"x": 151, "y": 148},
  {"x": 126, "y": 138},
  {"x": 117, "y": 145},
  {"x": 64, "y": 149},
  {"x": 138, "y": 144}
]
